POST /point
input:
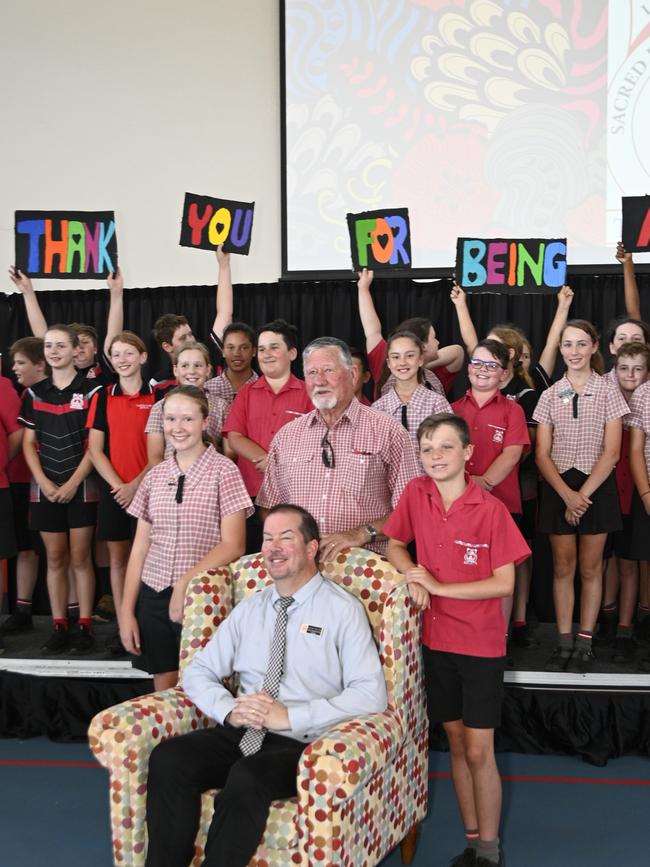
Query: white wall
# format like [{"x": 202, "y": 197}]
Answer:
[{"x": 130, "y": 104}]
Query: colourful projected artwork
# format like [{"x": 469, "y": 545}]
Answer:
[
  {"x": 209, "y": 222},
  {"x": 380, "y": 240},
  {"x": 511, "y": 265},
  {"x": 66, "y": 244},
  {"x": 636, "y": 224}
]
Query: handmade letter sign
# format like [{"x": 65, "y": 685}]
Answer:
[
  {"x": 209, "y": 222},
  {"x": 66, "y": 244},
  {"x": 636, "y": 224},
  {"x": 380, "y": 240},
  {"x": 511, "y": 265}
]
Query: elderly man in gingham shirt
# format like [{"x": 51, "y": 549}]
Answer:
[{"x": 343, "y": 462}]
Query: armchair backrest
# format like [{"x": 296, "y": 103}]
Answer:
[{"x": 371, "y": 578}]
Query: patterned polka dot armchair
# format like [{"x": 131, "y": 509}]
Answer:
[{"x": 362, "y": 787}]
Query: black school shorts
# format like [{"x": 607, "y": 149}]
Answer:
[
  {"x": 469, "y": 688},
  {"x": 160, "y": 637}
]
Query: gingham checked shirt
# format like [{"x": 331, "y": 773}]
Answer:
[
  {"x": 373, "y": 461},
  {"x": 424, "y": 402},
  {"x": 183, "y": 533},
  {"x": 640, "y": 416},
  {"x": 216, "y": 419},
  {"x": 220, "y": 386},
  {"x": 579, "y": 420}
]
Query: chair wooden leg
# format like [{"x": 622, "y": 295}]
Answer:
[{"x": 409, "y": 844}]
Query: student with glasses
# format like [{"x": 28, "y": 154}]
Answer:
[
  {"x": 343, "y": 462},
  {"x": 497, "y": 425}
]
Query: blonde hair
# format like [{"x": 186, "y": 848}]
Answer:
[
  {"x": 513, "y": 339},
  {"x": 191, "y": 344}
]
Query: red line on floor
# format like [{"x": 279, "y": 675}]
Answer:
[
  {"x": 524, "y": 778},
  {"x": 45, "y": 764}
]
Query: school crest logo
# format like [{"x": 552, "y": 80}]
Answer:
[
  {"x": 471, "y": 557},
  {"x": 497, "y": 434},
  {"x": 77, "y": 401}
]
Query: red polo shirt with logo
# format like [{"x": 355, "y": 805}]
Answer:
[
  {"x": 476, "y": 536},
  {"x": 123, "y": 418},
  {"x": 258, "y": 413},
  {"x": 498, "y": 423}
]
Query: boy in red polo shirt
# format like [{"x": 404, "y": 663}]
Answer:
[
  {"x": 261, "y": 408},
  {"x": 468, "y": 546}
]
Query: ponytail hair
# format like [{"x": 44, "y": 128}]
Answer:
[{"x": 596, "y": 361}]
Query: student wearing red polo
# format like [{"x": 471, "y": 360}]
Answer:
[
  {"x": 118, "y": 446},
  {"x": 497, "y": 425},
  {"x": 261, "y": 408},
  {"x": 468, "y": 546}
]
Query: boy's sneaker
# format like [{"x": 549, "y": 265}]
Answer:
[
  {"x": 114, "y": 645},
  {"x": 58, "y": 641},
  {"x": 559, "y": 659},
  {"x": 82, "y": 640},
  {"x": 582, "y": 661},
  {"x": 16, "y": 622},
  {"x": 465, "y": 859},
  {"x": 624, "y": 650}
]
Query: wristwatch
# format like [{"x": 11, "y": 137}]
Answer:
[{"x": 372, "y": 533}]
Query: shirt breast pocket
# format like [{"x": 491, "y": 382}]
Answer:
[
  {"x": 470, "y": 560},
  {"x": 359, "y": 471},
  {"x": 294, "y": 467}
]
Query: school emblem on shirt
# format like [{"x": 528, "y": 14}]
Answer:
[
  {"x": 77, "y": 401},
  {"x": 470, "y": 555},
  {"x": 497, "y": 433}
]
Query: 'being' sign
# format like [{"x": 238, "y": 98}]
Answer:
[
  {"x": 636, "y": 224},
  {"x": 380, "y": 240},
  {"x": 209, "y": 222},
  {"x": 510, "y": 265},
  {"x": 65, "y": 244}
]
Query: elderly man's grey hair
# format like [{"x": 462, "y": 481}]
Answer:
[{"x": 328, "y": 343}]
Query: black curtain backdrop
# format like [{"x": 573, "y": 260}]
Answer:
[{"x": 323, "y": 307}]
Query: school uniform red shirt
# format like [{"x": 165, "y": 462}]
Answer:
[
  {"x": 19, "y": 473},
  {"x": 58, "y": 417},
  {"x": 182, "y": 533},
  {"x": 498, "y": 423},
  {"x": 258, "y": 413},
  {"x": 122, "y": 418},
  {"x": 476, "y": 536},
  {"x": 9, "y": 408}
]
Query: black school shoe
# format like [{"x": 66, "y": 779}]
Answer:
[
  {"x": 81, "y": 640},
  {"x": 559, "y": 659},
  {"x": 465, "y": 859},
  {"x": 606, "y": 632},
  {"x": 16, "y": 623},
  {"x": 624, "y": 651},
  {"x": 58, "y": 641},
  {"x": 114, "y": 646},
  {"x": 582, "y": 661}
]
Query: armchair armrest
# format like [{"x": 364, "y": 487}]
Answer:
[
  {"x": 138, "y": 725},
  {"x": 349, "y": 755}
]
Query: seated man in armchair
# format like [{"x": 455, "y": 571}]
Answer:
[{"x": 306, "y": 661}]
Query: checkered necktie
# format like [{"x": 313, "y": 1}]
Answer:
[{"x": 253, "y": 738}]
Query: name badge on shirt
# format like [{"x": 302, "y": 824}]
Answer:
[{"x": 306, "y": 629}]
